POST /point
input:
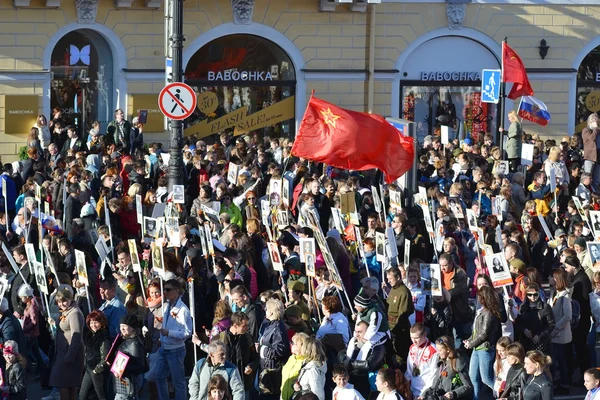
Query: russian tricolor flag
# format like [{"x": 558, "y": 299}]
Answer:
[{"x": 534, "y": 110}]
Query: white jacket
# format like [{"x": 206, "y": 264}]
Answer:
[
  {"x": 43, "y": 135},
  {"x": 312, "y": 377},
  {"x": 425, "y": 358},
  {"x": 347, "y": 393},
  {"x": 335, "y": 323}
]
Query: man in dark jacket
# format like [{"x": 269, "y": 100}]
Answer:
[
  {"x": 454, "y": 280},
  {"x": 72, "y": 208},
  {"x": 240, "y": 349},
  {"x": 581, "y": 289},
  {"x": 360, "y": 363},
  {"x": 243, "y": 302}
]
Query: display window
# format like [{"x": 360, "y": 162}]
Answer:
[
  {"x": 457, "y": 106},
  {"x": 246, "y": 85}
]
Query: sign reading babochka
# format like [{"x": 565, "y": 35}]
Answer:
[{"x": 20, "y": 113}]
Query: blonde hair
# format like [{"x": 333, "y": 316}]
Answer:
[
  {"x": 276, "y": 307},
  {"x": 134, "y": 189},
  {"x": 554, "y": 154},
  {"x": 512, "y": 113},
  {"x": 312, "y": 350}
]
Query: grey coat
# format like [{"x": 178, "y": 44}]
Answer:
[
  {"x": 450, "y": 380},
  {"x": 204, "y": 370},
  {"x": 561, "y": 308},
  {"x": 513, "y": 145},
  {"x": 69, "y": 351}
]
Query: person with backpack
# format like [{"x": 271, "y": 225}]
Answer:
[
  {"x": 215, "y": 363},
  {"x": 560, "y": 301}
]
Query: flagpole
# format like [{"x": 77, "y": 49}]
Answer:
[{"x": 502, "y": 98}]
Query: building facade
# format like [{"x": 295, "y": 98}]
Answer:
[{"x": 255, "y": 63}]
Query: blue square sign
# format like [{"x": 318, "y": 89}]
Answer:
[{"x": 490, "y": 86}]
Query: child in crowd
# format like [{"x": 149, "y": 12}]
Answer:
[
  {"x": 344, "y": 390},
  {"x": 591, "y": 381},
  {"x": 15, "y": 377}
]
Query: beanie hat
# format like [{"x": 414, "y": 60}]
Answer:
[
  {"x": 130, "y": 320},
  {"x": 362, "y": 301},
  {"x": 580, "y": 242},
  {"x": 87, "y": 210},
  {"x": 25, "y": 291}
]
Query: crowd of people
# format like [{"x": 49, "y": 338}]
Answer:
[{"x": 265, "y": 277}]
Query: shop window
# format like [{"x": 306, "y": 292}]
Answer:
[
  {"x": 246, "y": 84},
  {"x": 588, "y": 88},
  {"x": 81, "y": 79},
  {"x": 433, "y": 106}
]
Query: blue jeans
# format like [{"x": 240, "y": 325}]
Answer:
[
  {"x": 481, "y": 370},
  {"x": 165, "y": 363},
  {"x": 592, "y": 345}
]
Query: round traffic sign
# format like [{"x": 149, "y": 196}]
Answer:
[{"x": 177, "y": 101}]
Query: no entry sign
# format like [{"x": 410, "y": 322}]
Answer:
[{"x": 177, "y": 101}]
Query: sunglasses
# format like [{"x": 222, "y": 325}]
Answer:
[
  {"x": 533, "y": 295},
  {"x": 251, "y": 198}
]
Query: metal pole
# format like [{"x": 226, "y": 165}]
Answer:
[
  {"x": 500, "y": 136},
  {"x": 176, "y": 135}
]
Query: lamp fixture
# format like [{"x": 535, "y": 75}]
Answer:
[{"x": 543, "y": 48}]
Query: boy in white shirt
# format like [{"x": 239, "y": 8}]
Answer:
[{"x": 344, "y": 390}]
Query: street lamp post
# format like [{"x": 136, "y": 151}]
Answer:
[{"x": 175, "y": 173}]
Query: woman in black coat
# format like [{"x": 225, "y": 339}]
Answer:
[
  {"x": 274, "y": 350},
  {"x": 97, "y": 344},
  {"x": 131, "y": 345},
  {"x": 535, "y": 322},
  {"x": 516, "y": 375}
]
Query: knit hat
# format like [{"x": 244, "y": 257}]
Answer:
[
  {"x": 87, "y": 210},
  {"x": 362, "y": 301},
  {"x": 293, "y": 311},
  {"x": 559, "y": 233},
  {"x": 130, "y": 320},
  {"x": 25, "y": 290},
  {"x": 580, "y": 242}
]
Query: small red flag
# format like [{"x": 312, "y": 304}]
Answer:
[
  {"x": 352, "y": 140},
  {"x": 513, "y": 70}
]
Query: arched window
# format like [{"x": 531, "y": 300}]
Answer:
[
  {"x": 588, "y": 88},
  {"x": 81, "y": 79},
  {"x": 246, "y": 84}
]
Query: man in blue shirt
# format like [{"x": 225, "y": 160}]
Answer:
[{"x": 112, "y": 307}]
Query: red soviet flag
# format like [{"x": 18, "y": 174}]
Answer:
[
  {"x": 513, "y": 70},
  {"x": 352, "y": 140}
]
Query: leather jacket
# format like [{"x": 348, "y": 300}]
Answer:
[{"x": 486, "y": 331}]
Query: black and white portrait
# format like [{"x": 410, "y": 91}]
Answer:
[{"x": 150, "y": 227}]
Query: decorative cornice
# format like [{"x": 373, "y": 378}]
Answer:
[
  {"x": 53, "y": 3},
  {"x": 21, "y": 3}
]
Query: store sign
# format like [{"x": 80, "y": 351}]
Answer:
[
  {"x": 244, "y": 123},
  {"x": 450, "y": 76},
  {"x": 20, "y": 113},
  {"x": 233, "y": 75},
  {"x": 597, "y": 76},
  {"x": 155, "y": 121},
  {"x": 592, "y": 102}
]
